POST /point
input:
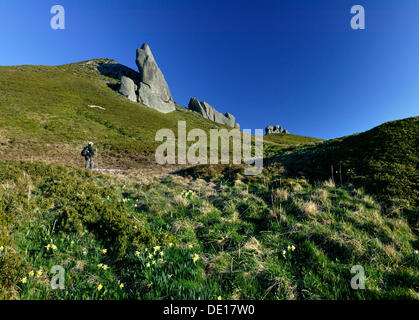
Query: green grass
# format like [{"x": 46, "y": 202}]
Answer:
[
  {"x": 48, "y": 105},
  {"x": 384, "y": 160},
  {"x": 242, "y": 231},
  {"x": 289, "y": 139}
]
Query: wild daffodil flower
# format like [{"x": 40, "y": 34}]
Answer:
[
  {"x": 84, "y": 252},
  {"x": 170, "y": 244},
  {"x": 47, "y": 246},
  {"x": 162, "y": 253},
  {"x": 150, "y": 256},
  {"x": 416, "y": 252},
  {"x": 292, "y": 247},
  {"x": 153, "y": 262},
  {"x": 121, "y": 285},
  {"x": 137, "y": 253},
  {"x": 100, "y": 265},
  {"x": 190, "y": 246},
  {"x": 219, "y": 298},
  {"x": 53, "y": 247},
  {"x": 71, "y": 243},
  {"x": 99, "y": 287},
  {"x": 170, "y": 276},
  {"x": 39, "y": 273},
  {"x": 1, "y": 248},
  {"x": 105, "y": 267},
  {"x": 284, "y": 253},
  {"x": 104, "y": 251},
  {"x": 161, "y": 260},
  {"x": 148, "y": 265},
  {"x": 24, "y": 280},
  {"x": 31, "y": 274}
]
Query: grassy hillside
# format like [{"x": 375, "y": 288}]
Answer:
[
  {"x": 177, "y": 238},
  {"x": 384, "y": 160},
  {"x": 45, "y": 115},
  {"x": 289, "y": 139},
  {"x": 207, "y": 232}
]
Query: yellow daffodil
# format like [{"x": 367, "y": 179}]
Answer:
[
  {"x": 137, "y": 253},
  {"x": 170, "y": 244},
  {"x": 162, "y": 253},
  {"x": 170, "y": 276},
  {"x": 1, "y": 248},
  {"x": 99, "y": 287},
  {"x": 105, "y": 267},
  {"x": 145, "y": 249},
  {"x": 150, "y": 256},
  {"x": 121, "y": 285},
  {"x": 283, "y": 252},
  {"x": 104, "y": 251},
  {"x": 84, "y": 252},
  {"x": 292, "y": 248},
  {"x": 31, "y": 274},
  {"x": 195, "y": 257},
  {"x": 161, "y": 260},
  {"x": 153, "y": 262},
  {"x": 53, "y": 247},
  {"x": 71, "y": 243},
  {"x": 289, "y": 248},
  {"x": 416, "y": 251},
  {"x": 100, "y": 265},
  {"x": 47, "y": 246},
  {"x": 148, "y": 265},
  {"x": 39, "y": 273},
  {"x": 156, "y": 248},
  {"x": 219, "y": 298},
  {"x": 190, "y": 246},
  {"x": 24, "y": 280}
]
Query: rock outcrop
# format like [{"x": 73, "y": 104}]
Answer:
[
  {"x": 210, "y": 113},
  {"x": 153, "y": 90},
  {"x": 128, "y": 88},
  {"x": 275, "y": 129}
]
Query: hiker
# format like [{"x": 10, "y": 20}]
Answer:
[{"x": 88, "y": 152}]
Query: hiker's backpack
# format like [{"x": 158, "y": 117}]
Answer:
[{"x": 85, "y": 151}]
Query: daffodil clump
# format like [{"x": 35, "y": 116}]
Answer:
[{"x": 188, "y": 194}]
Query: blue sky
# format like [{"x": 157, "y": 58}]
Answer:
[{"x": 294, "y": 63}]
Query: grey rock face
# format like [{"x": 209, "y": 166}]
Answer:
[
  {"x": 153, "y": 90},
  {"x": 210, "y": 113},
  {"x": 275, "y": 129},
  {"x": 128, "y": 88}
]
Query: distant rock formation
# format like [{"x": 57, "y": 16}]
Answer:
[
  {"x": 210, "y": 113},
  {"x": 275, "y": 129},
  {"x": 153, "y": 90}
]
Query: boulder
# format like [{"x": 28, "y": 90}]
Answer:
[
  {"x": 275, "y": 129},
  {"x": 153, "y": 90},
  {"x": 128, "y": 88},
  {"x": 210, "y": 113},
  {"x": 269, "y": 130}
]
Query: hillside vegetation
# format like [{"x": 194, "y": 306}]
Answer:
[
  {"x": 179, "y": 238},
  {"x": 45, "y": 115},
  {"x": 204, "y": 232}
]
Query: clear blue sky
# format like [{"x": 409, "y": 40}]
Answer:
[{"x": 293, "y": 63}]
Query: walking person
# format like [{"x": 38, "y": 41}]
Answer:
[{"x": 88, "y": 153}]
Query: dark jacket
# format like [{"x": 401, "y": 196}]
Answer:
[{"x": 90, "y": 152}]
